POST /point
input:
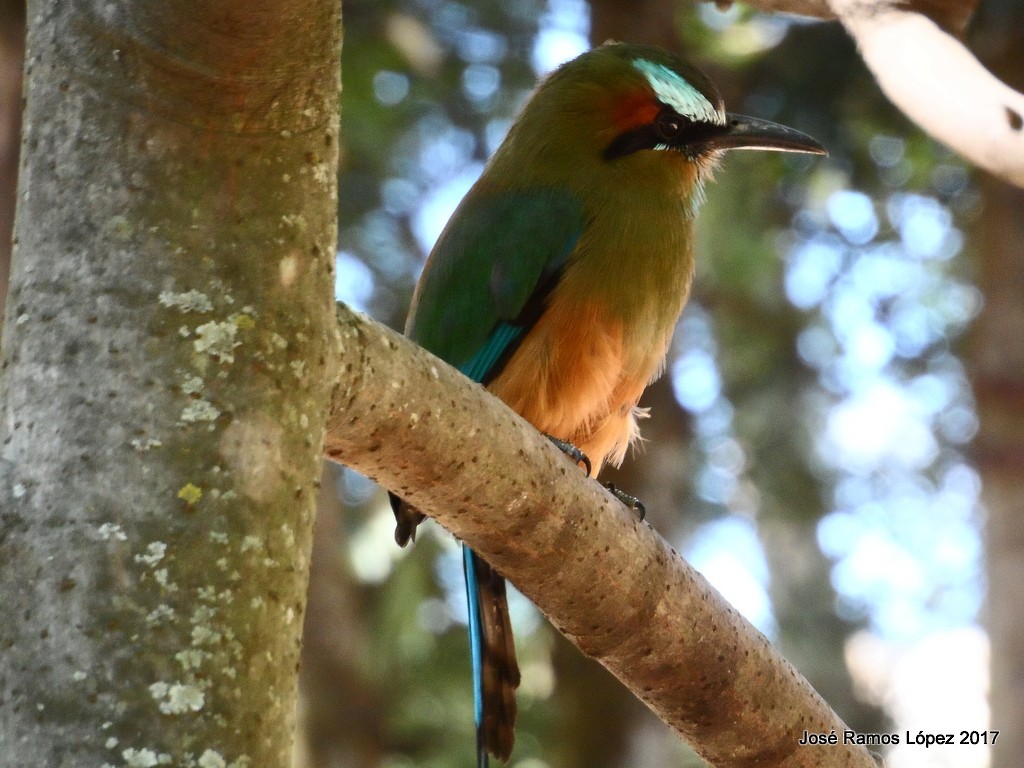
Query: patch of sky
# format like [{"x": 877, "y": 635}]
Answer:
[
  {"x": 495, "y": 133},
  {"x": 715, "y": 486},
  {"x": 444, "y": 149},
  {"x": 480, "y": 82},
  {"x": 372, "y": 552},
  {"x": 719, "y": 17},
  {"x": 926, "y": 536},
  {"x": 904, "y": 532},
  {"x": 951, "y": 181},
  {"x": 812, "y": 267},
  {"x": 853, "y": 215},
  {"x": 449, "y": 20},
  {"x": 353, "y": 281},
  {"x": 879, "y": 272},
  {"x": 911, "y": 331},
  {"x": 390, "y": 88},
  {"x": 728, "y": 552},
  {"x": 480, "y": 46},
  {"x": 562, "y": 35},
  {"x": 440, "y": 203},
  {"x": 355, "y": 489},
  {"x": 816, "y": 346},
  {"x": 719, "y": 477},
  {"x": 738, "y": 36},
  {"x": 868, "y": 348},
  {"x": 880, "y": 425},
  {"x": 696, "y": 381},
  {"x": 434, "y": 615},
  {"x": 957, "y": 303},
  {"x": 925, "y": 226},
  {"x": 399, "y": 196},
  {"x": 958, "y": 424},
  {"x": 450, "y": 577},
  {"x": 715, "y": 420},
  {"x": 380, "y": 233},
  {"x": 890, "y": 157}
]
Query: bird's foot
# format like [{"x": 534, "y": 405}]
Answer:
[
  {"x": 631, "y": 502},
  {"x": 571, "y": 451}
]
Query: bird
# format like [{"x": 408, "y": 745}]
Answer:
[{"x": 559, "y": 278}]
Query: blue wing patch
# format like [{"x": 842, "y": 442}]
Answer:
[{"x": 482, "y": 363}]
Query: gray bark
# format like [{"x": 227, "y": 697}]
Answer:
[
  {"x": 607, "y": 581},
  {"x": 162, "y": 397}
]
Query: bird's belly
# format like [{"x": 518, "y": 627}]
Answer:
[{"x": 579, "y": 374}]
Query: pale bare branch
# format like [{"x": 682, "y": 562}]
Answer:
[
  {"x": 930, "y": 75},
  {"x": 940, "y": 85},
  {"x": 608, "y": 581}
]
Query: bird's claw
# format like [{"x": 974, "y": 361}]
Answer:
[
  {"x": 572, "y": 452},
  {"x": 631, "y": 502}
]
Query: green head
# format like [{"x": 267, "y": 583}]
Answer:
[{"x": 624, "y": 114}]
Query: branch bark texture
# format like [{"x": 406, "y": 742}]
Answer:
[
  {"x": 950, "y": 15},
  {"x": 169, "y": 334},
  {"x": 940, "y": 85},
  {"x": 605, "y": 579},
  {"x": 914, "y": 53}
]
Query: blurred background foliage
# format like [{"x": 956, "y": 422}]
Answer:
[{"x": 807, "y": 447}]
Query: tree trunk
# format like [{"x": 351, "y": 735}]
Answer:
[
  {"x": 996, "y": 364},
  {"x": 162, "y": 398},
  {"x": 998, "y": 377}
]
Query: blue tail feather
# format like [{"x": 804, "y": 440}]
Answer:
[
  {"x": 497, "y": 737},
  {"x": 476, "y": 650}
]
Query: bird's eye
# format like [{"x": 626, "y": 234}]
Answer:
[{"x": 670, "y": 125}]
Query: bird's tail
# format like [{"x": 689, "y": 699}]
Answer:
[{"x": 495, "y": 671}]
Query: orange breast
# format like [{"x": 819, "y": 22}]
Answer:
[
  {"x": 574, "y": 378},
  {"x": 580, "y": 371}
]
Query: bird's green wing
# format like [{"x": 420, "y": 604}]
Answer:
[
  {"x": 486, "y": 280},
  {"x": 484, "y": 285}
]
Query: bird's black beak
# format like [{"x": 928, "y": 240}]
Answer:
[{"x": 742, "y": 132}]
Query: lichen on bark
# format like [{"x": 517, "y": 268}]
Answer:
[{"x": 164, "y": 382}]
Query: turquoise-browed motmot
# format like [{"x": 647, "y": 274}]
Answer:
[{"x": 559, "y": 279}]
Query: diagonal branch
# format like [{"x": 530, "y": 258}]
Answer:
[
  {"x": 940, "y": 85},
  {"x": 950, "y": 15},
  {"x": 607, "y": 581},
  {"x": 911, "y": 49}
]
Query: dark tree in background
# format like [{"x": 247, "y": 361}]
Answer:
[{"x": 996, "y": 360}]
